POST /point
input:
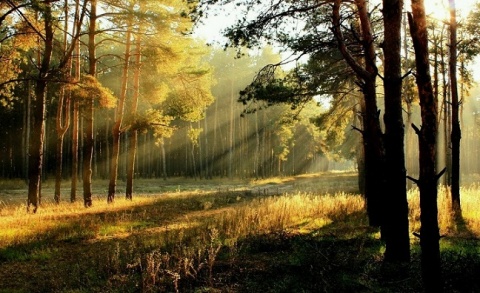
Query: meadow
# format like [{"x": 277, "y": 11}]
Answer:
[{"x": 294, "y": 234}]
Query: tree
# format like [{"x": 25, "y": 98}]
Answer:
[
  {"x": 427, "y": 183},
  {"x": 396, "y": 218},
  {"x": 38, "y": 112},
  {"x": 89, "y": 109},
  {"x": 366, "y": 73},
  {"x": 273, "y": 24},
  {"x": 64, "y": 102},
  {"x": 456, "y": 132},
  {"x": 119, "y": 111},
  {"x": 132, "y": 146}
]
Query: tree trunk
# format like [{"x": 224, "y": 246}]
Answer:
[
  {"x": 75, "y": 128},
  {"x": 88, "y": 116},
  {"x": 372, "y": 134},
  {"x": 116, "y": 129},
  {"x": 164, "y": 159},
  {"x": 231, "y": 132},
  {"x": 132, "y": 148},
  {"x": 28, "y": 124},
  {"x": 36, "y": 147},
  {"x": 456, "y": 132},
  {"x": 396, "y": 217},
  {"x": 429, "y": 231},
  {"x": 360, "y": 153},
  {"x": 63, "y": 115},
  {"x": 257, "y": 147},
  {"x": 75, "y": 122}
]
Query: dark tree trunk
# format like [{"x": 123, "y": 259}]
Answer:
[
  {"x": 396, "y": 218},
  {"x": 75, "y": 122},
  {"x": 372, "y": 134},
  {"x": 36, "y": 147},
  {"x": 456, "y": 132},
  {"x": 75, "y": 128},
  {"x": 89, "y": 118},
  {"x": 429, "y": 231}
]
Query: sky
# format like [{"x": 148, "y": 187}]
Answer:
[{"x": 211, "y": 29}]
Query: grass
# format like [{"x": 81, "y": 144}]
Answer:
[{"x": 298, "y": 234}]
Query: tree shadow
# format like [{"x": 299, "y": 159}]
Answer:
[
  {"x": 77, "y": 253},
  {"x": 460, "y": 225}
]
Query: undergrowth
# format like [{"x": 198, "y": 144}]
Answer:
[{"x": 231, "y": 239}]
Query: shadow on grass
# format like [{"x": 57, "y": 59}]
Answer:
[
  {"x": 342, "y": 256},
  {"x": 86, "y": 251},
  {"x": 339, "y": 257}
]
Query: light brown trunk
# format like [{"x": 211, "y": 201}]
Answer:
[{"x": 116, "y": 129}]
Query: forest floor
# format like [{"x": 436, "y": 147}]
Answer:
[{"x": 306, "y": 233}]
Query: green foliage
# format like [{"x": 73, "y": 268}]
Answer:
[
  {"x": 194, "y": 134},
  {"x": 90, "y": 88}
]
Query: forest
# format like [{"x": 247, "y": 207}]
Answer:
[{"x": 239, "y": 146}]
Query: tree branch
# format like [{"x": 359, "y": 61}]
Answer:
[
  {"x": 416, "y": 181},
  {"x": 417, "y": 130},
  {"x": 441, "y": 173}
]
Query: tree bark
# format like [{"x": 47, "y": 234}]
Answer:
[
  {"x": 116, "y": 129},
  {"x": 372, "y": 134},
  {"x": 89, "y": 118},
  {"x": 132, "y": 147},
  {"x": 429, "y": 231},
  {"x": 36, "y": 147},
  {"x": 396, "y": 218},
  {"x": 75, "y": 121},
  {"x": 63, "y": 115},
  {"x": 456, "y": 132}
]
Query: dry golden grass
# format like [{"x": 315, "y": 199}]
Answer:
[
  {"x": 470, "y": 212},
  {"x": 300, "y": 211},
  {"x": 176, "y": 235}
]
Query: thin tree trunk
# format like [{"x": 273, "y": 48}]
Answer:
[
  {"x": 89, "y": 112},
  {"x": 456, "y": 132},
  {"x": 164, "y": 159},
  {"x": 116, "y": 129},
  {"x": 75, "y": 129},
  {"x": 231, "y": 133},
  {"x": 132, "y": 148},
  {"x": 208, "y": 174},
  {"x": 36, "y": 147},
  {"x": 200, "y": 160},
  {"x": 429, "y": 231},
  {"x": 28, "y": 124},
  {"x": 214, "y": 147},
  {"x": 257, "y": 147},
  {"x": 75, "y": 120},
  {"x": 63, "y": 115}
]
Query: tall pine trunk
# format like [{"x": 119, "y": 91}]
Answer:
[
  {"x": 396, "y": 217},
  {"x": 456, "y": 132},
  {"x": 372, "y": 133},
  {"x": 132, "y": 146},
  {"x": 36, "y": 147},
  {"x": 75, "y": 118},
  {"x": 88, "y": 114},
  {"x": 427, "y": 183},
  {"x": 63, "y": 115},
  {"x": 116, "y": 129}
]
